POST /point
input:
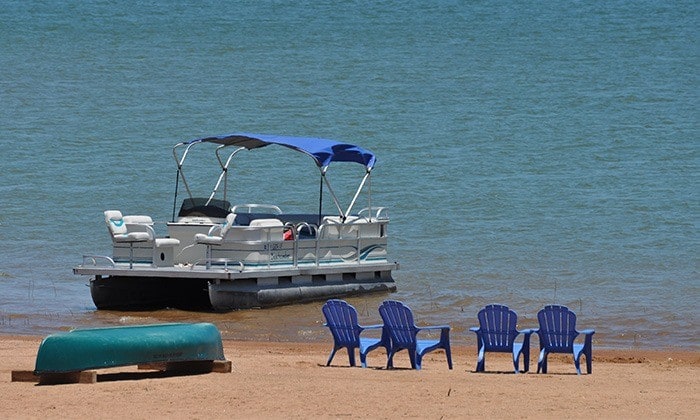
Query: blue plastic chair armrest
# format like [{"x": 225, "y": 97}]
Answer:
[
  {"x": 435, "y": 327},
  {"x": 370, "y": 327},
  {"x": 588, "y": 340},
  {"x": 534, "y": 330},
  {"x": 444, "y": 332},
  {"x": 475, "y": 329}
]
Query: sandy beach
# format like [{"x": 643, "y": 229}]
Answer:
[{"x": 290, "y": 380}]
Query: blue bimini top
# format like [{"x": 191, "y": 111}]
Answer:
[{"x": 321, "y": 150}]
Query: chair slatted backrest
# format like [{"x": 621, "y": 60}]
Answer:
[
  {"x": 557, "y": 328},
  {"x": 398, "y": 319},
  {"x": 498, "y": 327},
  {"x": 341, "y": 319}
]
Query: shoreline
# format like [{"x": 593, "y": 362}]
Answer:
[
  {"x": 607, "y": 354},
  {"x": 290, "y": 380},
  {"x": 469, "y": 342}
]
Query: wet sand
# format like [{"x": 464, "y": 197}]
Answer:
[{"x": 290, "y": 380}]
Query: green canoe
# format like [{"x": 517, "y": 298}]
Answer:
[{"x": 94, "y": 348}]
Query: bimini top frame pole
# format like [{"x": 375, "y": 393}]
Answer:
[
  {"x": 224, "y": 171},
  {"x": 322, "y": 151}
]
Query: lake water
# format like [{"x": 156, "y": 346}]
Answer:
[{"x": 530, "y": 153}]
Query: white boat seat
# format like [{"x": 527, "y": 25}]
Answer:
[
  {"x": 259, "y": 230},
  {"x": 219, "y": 234},
  {"x": 166, "y": 242},
  {"x": 205, "y": 239},
  {"x": 216, "y": 234},
  {"x": 266, "y": 223},
  {"x": 118, "y": 228},
  {"x": 275, "y": 227},
  {"x": 353, "y": 227},
  {"x": 136, "y": 229}
]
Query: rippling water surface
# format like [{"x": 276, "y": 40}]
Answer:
[{"x": 529, "y": 153}]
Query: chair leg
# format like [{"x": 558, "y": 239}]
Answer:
[
  {"x": 351, "y": 356},
  {"x": 390, "y": 359},
  {"x": 335, "y": 349},
  {"x": 588, "y": 352},
  {"x": 480, "y": 359},
  {"x": 448, "y": 354},
  {"x": 415, "y": 362},
  {"x": 526, "y": 359},
  {"x": 542, "y": 362},
  {"x": 525, "y": 353},
  {"x": 589, "y": 363}
]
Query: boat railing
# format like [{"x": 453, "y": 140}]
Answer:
[
  {"x": 354, "y": 227},
  {"x": 288, "y": 239},
  {"x": 380, "y": 213},
  {"x": 256, "y": 208},
  {"x": 225, "y": 261},
  {"x": 293, "y": 229},
  {"x": 359, "y": 229},
  {"x": 92, "y": 260}
]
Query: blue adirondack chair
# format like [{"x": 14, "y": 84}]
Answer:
[
  {"x": 557, "y": 333},
  {"x": 403, "y": 332},
  {"x": 497, "y": 332},
  {"x": 341, "y": 319}
]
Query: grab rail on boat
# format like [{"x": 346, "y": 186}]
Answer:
[
  {"x": 226, "y": 262},
  {"x": 93, "y": 259},
  {"x": 295, "y": 244},
  {"x": 250, "y": 207},
  {"x": 380, "y": 213},
  {"x": 310, "y": 228}
]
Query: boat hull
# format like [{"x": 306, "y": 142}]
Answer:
[
  {"x": 134, "y": 293},
  {"x": 124, "y": 289},
  {"x": 284, "y": 290},
  {"x": 95, "y": 348}
]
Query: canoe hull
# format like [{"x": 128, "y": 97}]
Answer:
[{"x": 96, "y": 348}]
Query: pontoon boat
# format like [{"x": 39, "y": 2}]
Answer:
[{"x": 226, "y": 257}]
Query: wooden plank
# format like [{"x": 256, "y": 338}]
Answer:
[
  {"x": 222, "y": 366},
  {"x": 195, "y": 366},
  {"x": 24, "y": 376},
  {"x": 152, "y": 366},
  {"x": 81, "y": 377}
]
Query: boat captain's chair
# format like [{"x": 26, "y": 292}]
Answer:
[
  {"x": 137, "y": 232},
  {"x": 215, "y": 236}
]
